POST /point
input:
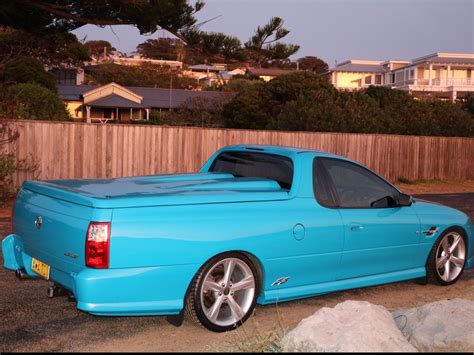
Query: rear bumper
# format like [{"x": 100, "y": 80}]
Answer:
[{"x": 156, "y": 290}]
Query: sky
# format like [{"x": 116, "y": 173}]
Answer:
[{"x": 333, "y": 29}]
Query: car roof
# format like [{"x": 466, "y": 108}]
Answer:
[{"x": 280, "y": 149}]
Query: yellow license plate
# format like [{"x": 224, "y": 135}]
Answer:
[{"x": 40, "y": 268}]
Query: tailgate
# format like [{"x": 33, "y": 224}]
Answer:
[{"x": 52, "y": 230}]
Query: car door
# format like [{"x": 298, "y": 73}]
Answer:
[{"x": 379, "y": 235}]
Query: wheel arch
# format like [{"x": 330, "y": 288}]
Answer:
[
  {"x": 453, "y": 228},
  {"x": 446, "y": 230},
  {"x": 256, "y": 262}
]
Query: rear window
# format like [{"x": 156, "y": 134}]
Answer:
[{"x": 260, "y": 165}]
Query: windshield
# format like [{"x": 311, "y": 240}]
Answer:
[{"x": 252, "y": 164}]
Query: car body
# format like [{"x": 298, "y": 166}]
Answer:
[{"x": 294, "y": 230}]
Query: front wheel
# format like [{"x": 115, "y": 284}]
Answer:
[
  {"x": 223, "y": 293},
  {"x": 448, "y": 257}
]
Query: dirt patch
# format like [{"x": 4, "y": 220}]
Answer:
[
  {"x": 436, "y": 186},
  {"x": 32, "y": 322}
]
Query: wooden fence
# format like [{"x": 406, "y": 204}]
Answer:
[{"x": 77, "y": 150}]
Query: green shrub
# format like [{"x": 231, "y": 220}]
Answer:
[
  {"x": 304, "y": 101},
  {"x": 29, "y": 70},
  {"x": 7, "y": 167},
  {"x": 35, "y": 102},
  {"x": 146, "y": 75}
]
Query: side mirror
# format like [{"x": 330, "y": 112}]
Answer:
[
  {"x": 384, "y": 202},
  {"x": 404, "y": 200}
]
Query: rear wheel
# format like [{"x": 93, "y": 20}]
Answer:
[
  {"x": 448, "y": 257},
  {"x": 223, "y": 293}
]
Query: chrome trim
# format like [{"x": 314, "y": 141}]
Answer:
[
  {"x": 38, "y": 222},
  {"x": 280, "y": 281},
  {"x": 431, "y": 231}
]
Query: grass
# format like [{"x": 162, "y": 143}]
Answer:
[
  {"x": 251, "y": 338},
  {"x": 402, "y": 180}
]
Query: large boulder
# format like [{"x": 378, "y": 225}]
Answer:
[
  {"x": 446, "y": 325},
  {"x": 352, "y": 326}
]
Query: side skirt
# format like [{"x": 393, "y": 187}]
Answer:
[{"x": 294, "y": 293}]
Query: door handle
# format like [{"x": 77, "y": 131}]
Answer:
[
  {"x": 356, "y": 227},
  {"x": 429, "y": 232}
]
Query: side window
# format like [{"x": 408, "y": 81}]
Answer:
[
  {"x": 256, "y": 164},
  {"x": 321, "y": 189},
  {"x": 357, "y": 187}
]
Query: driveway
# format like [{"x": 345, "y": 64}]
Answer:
[{"x": 32, "y": 322}]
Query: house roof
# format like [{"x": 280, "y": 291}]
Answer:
[
  {"x": 73, "y": 92},
  {"x": 446, "y": 58},
  {"x": 360, "y": 66},
  {"x": 450, "y": 60},
  {"x": 268, "y": 71},
  {"x": 115, "y": 101},
  {"x": 373, "y": 66},
  {"x": 152, "y": 97},
  {"x": 204, "y": 67},
  {"x": 112, "y": 89}
]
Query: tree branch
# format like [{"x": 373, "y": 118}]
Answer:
[{"x": 55, "y": 10}]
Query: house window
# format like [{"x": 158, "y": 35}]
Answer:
[
  {"x": 65, "y": 76},
  {"x": 378, "y": 79},
  {"x": 368, "y": 79}
]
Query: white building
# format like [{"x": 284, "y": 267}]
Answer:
[
  {"x": 136, "y": 60},
  {"x": 214, "y": 74},
  {"x": 439, "y": 75}
]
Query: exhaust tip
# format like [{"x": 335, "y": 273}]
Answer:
[
  {"x": 50, "y": 292},
  {"x": 71, "y": 297},
  {"x": 21, "y": 274},
  {"x": 56, "y": 291}
]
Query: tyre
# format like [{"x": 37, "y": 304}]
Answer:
[
  {"x": 448, "y": 257},
  {"x": 223, "y": 293}
]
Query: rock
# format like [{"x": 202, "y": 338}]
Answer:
[
  {"x": 352, "y": 326},
  {"x": 446, "y": 325}
]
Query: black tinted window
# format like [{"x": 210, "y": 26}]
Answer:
[
  {"x": 261, "y": 165},
  {"x": 321, "y": 188},
  {"x": 357, "y": 187}
]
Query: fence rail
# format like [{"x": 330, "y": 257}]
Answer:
[{"x": 77, "y": 150}]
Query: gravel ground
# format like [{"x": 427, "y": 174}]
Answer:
[{"x": 32, "y": 322}]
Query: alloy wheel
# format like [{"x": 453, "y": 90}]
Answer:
[
  {"x": 227, "y": 292},
  {"x": 450, "y": 256}
]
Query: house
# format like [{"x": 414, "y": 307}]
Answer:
[
  {"x": 137, "y": 60},
  {"x": 115, "y": 57},
  {"x": 204, "y": 68},
  {"x": 438, "y": 75},
  {"x": 357, "y": 74},
  {"x": 227, "y": 75},
  {"x": 267, "y": 74},
  {"x": 68, "y": 76},
  {"x": 214, "y": 74},
  {"x": 113, "y": 102}
]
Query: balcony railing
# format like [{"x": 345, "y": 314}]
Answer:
[
  {"x": 453, "y": 82},
  {"x": 436, "y": 82}
]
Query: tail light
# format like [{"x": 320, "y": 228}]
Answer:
[{"x": 97, "y": 245}]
